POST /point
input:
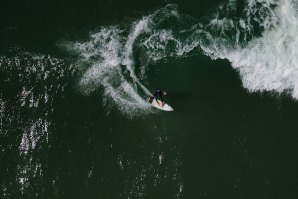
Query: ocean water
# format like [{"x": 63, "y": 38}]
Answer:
[{"x": 74, "y": 76}]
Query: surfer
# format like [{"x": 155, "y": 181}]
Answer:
[{"x": 158, "y": 93}]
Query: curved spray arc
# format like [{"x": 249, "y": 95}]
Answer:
[{"x": 109, "y": 54}]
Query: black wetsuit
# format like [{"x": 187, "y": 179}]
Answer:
[{"x": 158, "y": 93}]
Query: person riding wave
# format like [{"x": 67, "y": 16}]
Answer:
[{"x": 158, "y": 94}]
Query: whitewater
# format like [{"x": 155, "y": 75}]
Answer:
[
  {"x": 260, "y": 44},
  {"x": 259, "y": 41}
]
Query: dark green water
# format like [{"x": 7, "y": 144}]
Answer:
[{"x": 57, "y": 141}]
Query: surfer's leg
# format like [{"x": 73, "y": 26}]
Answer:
[
  {"x": 160, "y": 95},
  {"x": 157, "y": 101}
]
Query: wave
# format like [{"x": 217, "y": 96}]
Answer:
[{"x": 259, "y": 39}]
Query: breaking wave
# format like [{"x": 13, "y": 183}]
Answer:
[{"x": 258, "y": 39}]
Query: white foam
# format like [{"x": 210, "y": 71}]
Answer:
[
  {"x": 268, "y": 62},
  {"x": 139, "y": 27},
  {"x": 111, "y": 64},
  {"x": 159, "y": 43},
  {"x": 105, "y": 52},
  {"x": 261, "y": 45}
]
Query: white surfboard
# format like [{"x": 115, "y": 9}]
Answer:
[{"x": 165, "y": 106}]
